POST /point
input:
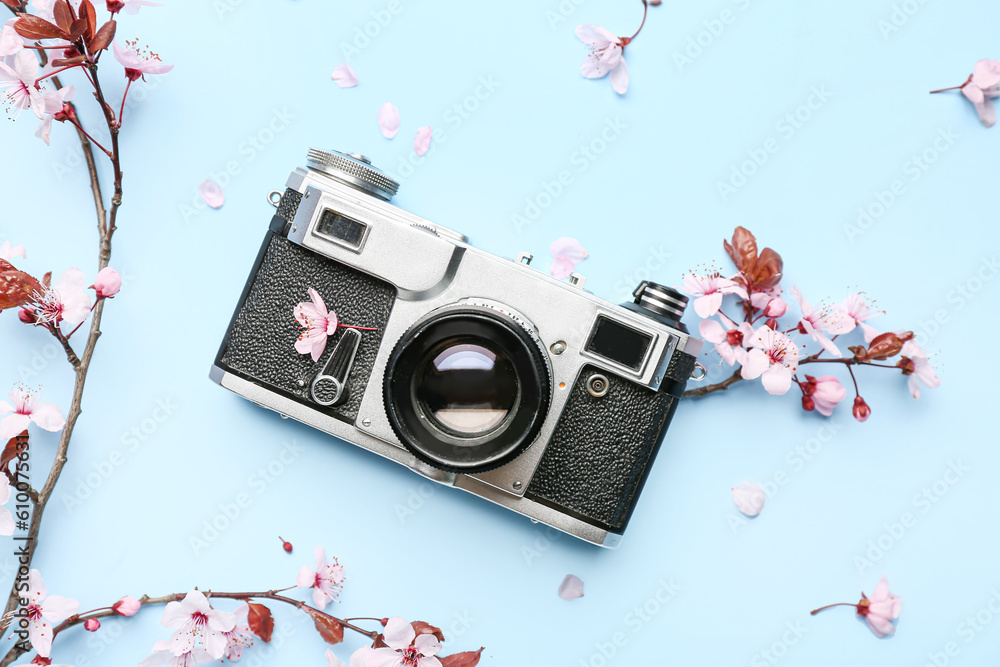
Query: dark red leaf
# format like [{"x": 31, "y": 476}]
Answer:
[
  {"x": 768, "y": 269},
  {"x": 761, "y": 271},
  {"x": 63, "y": 15},
  {"x": 466, "y": 659},
  {"x": 77, "y": 29},
  {"x": 66, "y": 62},
  {"x": 14, "y": 447},
  {"x": 103, "y": 37},
  {"x": 743, "y": 250},
  {"x": 88, "y": 13},
  {"x": 328, "y": 627},
  {"x": 32, "y": 27},
  {"x": 260, "y": 621},
  {"x": 17, "y": 288},
  {"x": 422, "y": 628},
  {"x": 16, "y": 4}
]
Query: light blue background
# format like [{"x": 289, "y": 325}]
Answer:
[{"x": 486, "y": 575}]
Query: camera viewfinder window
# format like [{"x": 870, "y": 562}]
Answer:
[
  {"x": 619, "y": 343},
  {"x": 346, "y": 231}
]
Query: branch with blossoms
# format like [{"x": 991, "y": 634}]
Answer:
[
  {"x": 204, "y": 632},
  {"x": 754, "y": 341}
]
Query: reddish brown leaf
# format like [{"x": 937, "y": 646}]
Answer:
[
  {"x": 14, "y": 447},
  {"x": 466, "y": 659},
  {"x": 16, "y": 287},
  {"x": 422, "y": 628},
  {"x": 77, "y": 29},
  {"x": 47, "y": 279},
  {"x": 260, "y": 620},
  {"x": 88, "y": 13},
  {"x": 103, "y": 37},
  {"x": 762, "y": 271},
  {"x": 768, "y": 269},
  {"x": 32, "y": 27},
  {"x": 66, "y": 62},
  {"x": 63, "y": 15},
  {"x": 16, "y": 4},
  {"x": 328, "y": 627}
]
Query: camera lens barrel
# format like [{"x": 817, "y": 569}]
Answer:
[{"x": 354, "y": 170}]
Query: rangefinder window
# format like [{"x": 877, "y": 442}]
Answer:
[
  {"x": 342, "y": 229},
  {"x": 618, "y": 343}
]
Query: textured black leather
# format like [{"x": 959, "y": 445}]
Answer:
[
  {"x": 289, "y": 204},
  {"x": 680, "y": 366},
  {"x": 601, "y": 451},
  {"x": 261, "y": 339}
]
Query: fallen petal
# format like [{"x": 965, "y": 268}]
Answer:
[
  {"x": 344, "y": 76},
  {"x": 749, "y": 498},
  {"x": 561, "y": 267},
  {"x": 388, "y": 120},
  {"x": 568, "y": 248},
  {"x": 212, "y": 193},
  {"x": 422, "y": 143},
  {"x": 571, "y": 587}
]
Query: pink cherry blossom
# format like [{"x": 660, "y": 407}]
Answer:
[
  {"x": 24, "y": 409},
  {"x": 422, "y": 143},
  {"x": 17, "y": 80},
  {"x": 10, "y": 41},
  {"x": 571, "y": 587},
  {"x": 240, "y": 636},
  {"x": 405, "y": 648},
  {"x": 326, "y": 580},
  {"x": 921, "y": 370},
  {"x": 605, "y": 56},
  {"x": 212, "y": 193},
  {"x": 358, "y": 659},
  {"x": 127, "y": 606},
  {"x": 883, "y": 608},
  {"x": 107, "y": 283},
  {"x": 6, "y": 518},
  {"x": 133, "y": 6},
  {"x": 815, "y": 322},
  {"x": 193, "y": 618},
  {"x": 138, "y": 64},
  {"x": 709, "y": 291},
  {"x": 53, "y": 102},
  {"x": 162, "y": 655},
  {"x": 9, "y": 251},
  {"x": 857, "y": 308},
  {"x": 984, "y": 86},
  {"x": 728, "y": 337},
  {"x": 66, "y": 301},
  {"x": 318, "y": 324},
  {"x": 388, "y": 120},
  {"x": 773, "y": 358},
  {"x": 749, "y": 498},
  {"x": 344, "y": 76},
  {"x": 566, "y": 254},
  {"x": 45, "y": 611},
  {"x": 825, "y": 391}
]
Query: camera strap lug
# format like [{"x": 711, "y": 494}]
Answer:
[{"x": 330, "y": 386}]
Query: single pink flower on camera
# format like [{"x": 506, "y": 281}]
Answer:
[
  {"x": 605, "y": 57},
  {"x": 45, "y": 611},
  {"x": 709, "y": 291},
  {"x": 729, "y": 338},
  {"x": 24, "y": 409},
  {"x": 327, "y": 580},
  {"x": 317, "y": 323},
  {"x": 404, "y": 647},
  {"x": 193, "y": 618},
  {"x": 773, "y": 358},
  {"x": 138, "y": 64}
]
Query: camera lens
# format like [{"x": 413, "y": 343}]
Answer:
[{"x": 467, "y": 389}]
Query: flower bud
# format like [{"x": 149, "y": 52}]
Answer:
[
  {"x": 885, "y": 346},
  {"x": 776, "y": 307},
  {"x": 91, "y": 625},
  {"x": 115, "y": 6},
  {"x": 861, "y": 410},
  {"x": 66, "y": 113},
  {"x": 808, "y": 404},
  {"x": 127, "y": 606},
  {"x": 285, "y": 544},
  {"x": 772, "y": 323},
  {"x": 27, "y": 316},
  {"x": 107, "y": 283},
  {"x": 906, "y": 365}
]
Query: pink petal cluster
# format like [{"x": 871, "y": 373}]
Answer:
[
  {"x": 240, "y": 636},
  {"x": 138, "y": 64},
  {"x": 709, "y": 291},
  {"x": 605, "y": 57},
  {"x": 107, "y": 283},
  {"x": 922, "y": 371},
  {"x": 127, "y": 606},
  {"x": 822, "y": 394},
  {"x": 326, "y": 580},
  {"x": 344, "y": 76},
  {"x": 53, "y": 101},
  {"x": 10, "y": 42},
  {"x": 883, "y": 608},
  {"x": 24, "y": 409},
  {"x": 17, "y": 81},
  {"x": 317, "y": 323},
  {"x": 816, "y": 323},
  {"x": 404, "y": 648},
  {"x": 773, "y": 358},
  {"x": 982, "y": 88},
  {"x": 193, "y": 619},
  {"x": 66, "y": 301},
  {"x": 566, "y": 254},
  {"x": 44, "y": 612},
  {"x": 729, "y": 339},
  {"x": 388, "y": 120}
]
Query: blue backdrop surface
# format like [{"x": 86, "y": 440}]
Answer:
[{"x": 837, "y": 93}]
